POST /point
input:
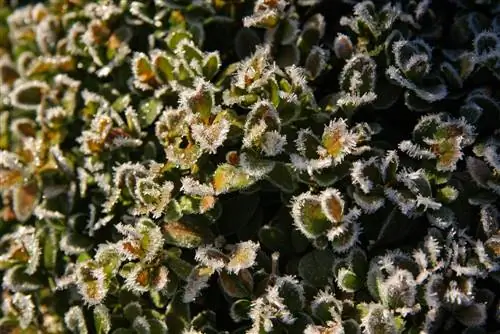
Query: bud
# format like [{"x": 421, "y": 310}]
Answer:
[
  {"x": 342, "y": 46},
  {"x": 312, "y": 32},
  {"x": 316, "y": 61}
]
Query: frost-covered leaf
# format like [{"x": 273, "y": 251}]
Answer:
[
  {"x": 316, "y": 267},
  {"x": 308, "y": 215}
]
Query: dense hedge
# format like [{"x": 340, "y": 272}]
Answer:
[{"x": 232, "y": 166}]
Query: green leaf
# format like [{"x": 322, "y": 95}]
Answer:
[
  {"x": 228, "y": 178},
  {"x": 300, "y": 324},
  {"x": 472, "y": 315},
  {"x": 24, "y": 200},
  {"x": 387, "y": 94},
  {"x": 237, "y": 285},
  {"x": 176, "y": 36},
  {"x": 281, "y": 176},
  {"x": 351, "y": 327},
  {"x": 299, "y": 241},
  {"x": 173, "y": 211},
  {"x": 163, "y": 68},
  {"x": 186, "y": 234},
  {"x": 178, "y": 315},
  {"x": 121, "y": 103},
  {"x": 149, "y": 111},
  {"x": 251, "y": 229},
  {"x": 203, "y": 319},
  {"x": 309, "y": 217},
  {"x": 179, "y": 266},
  {"x": 102, "y": 321},
  {"x": 132, "y": 311},
  {"x": 395, "y": 228},
  {"x": 29, "y": 95},
  {"x": 246, "y": 42},
  {"x": 316, "y": 267},
  {"x": 288, "y": 55},
  {"x": 275, "y": 239},
  {"x": 123, "y": 331},
  {"x": 157, "y": 326},
  {"x": 50, "y": 249},
  {"x": 451, "y": 75},
  {"x": 348, "y": 281},
  {"x": 211, "y": 65},
  {"x": 240, "y": 309},
  {"x": 311, "y": 33}
]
